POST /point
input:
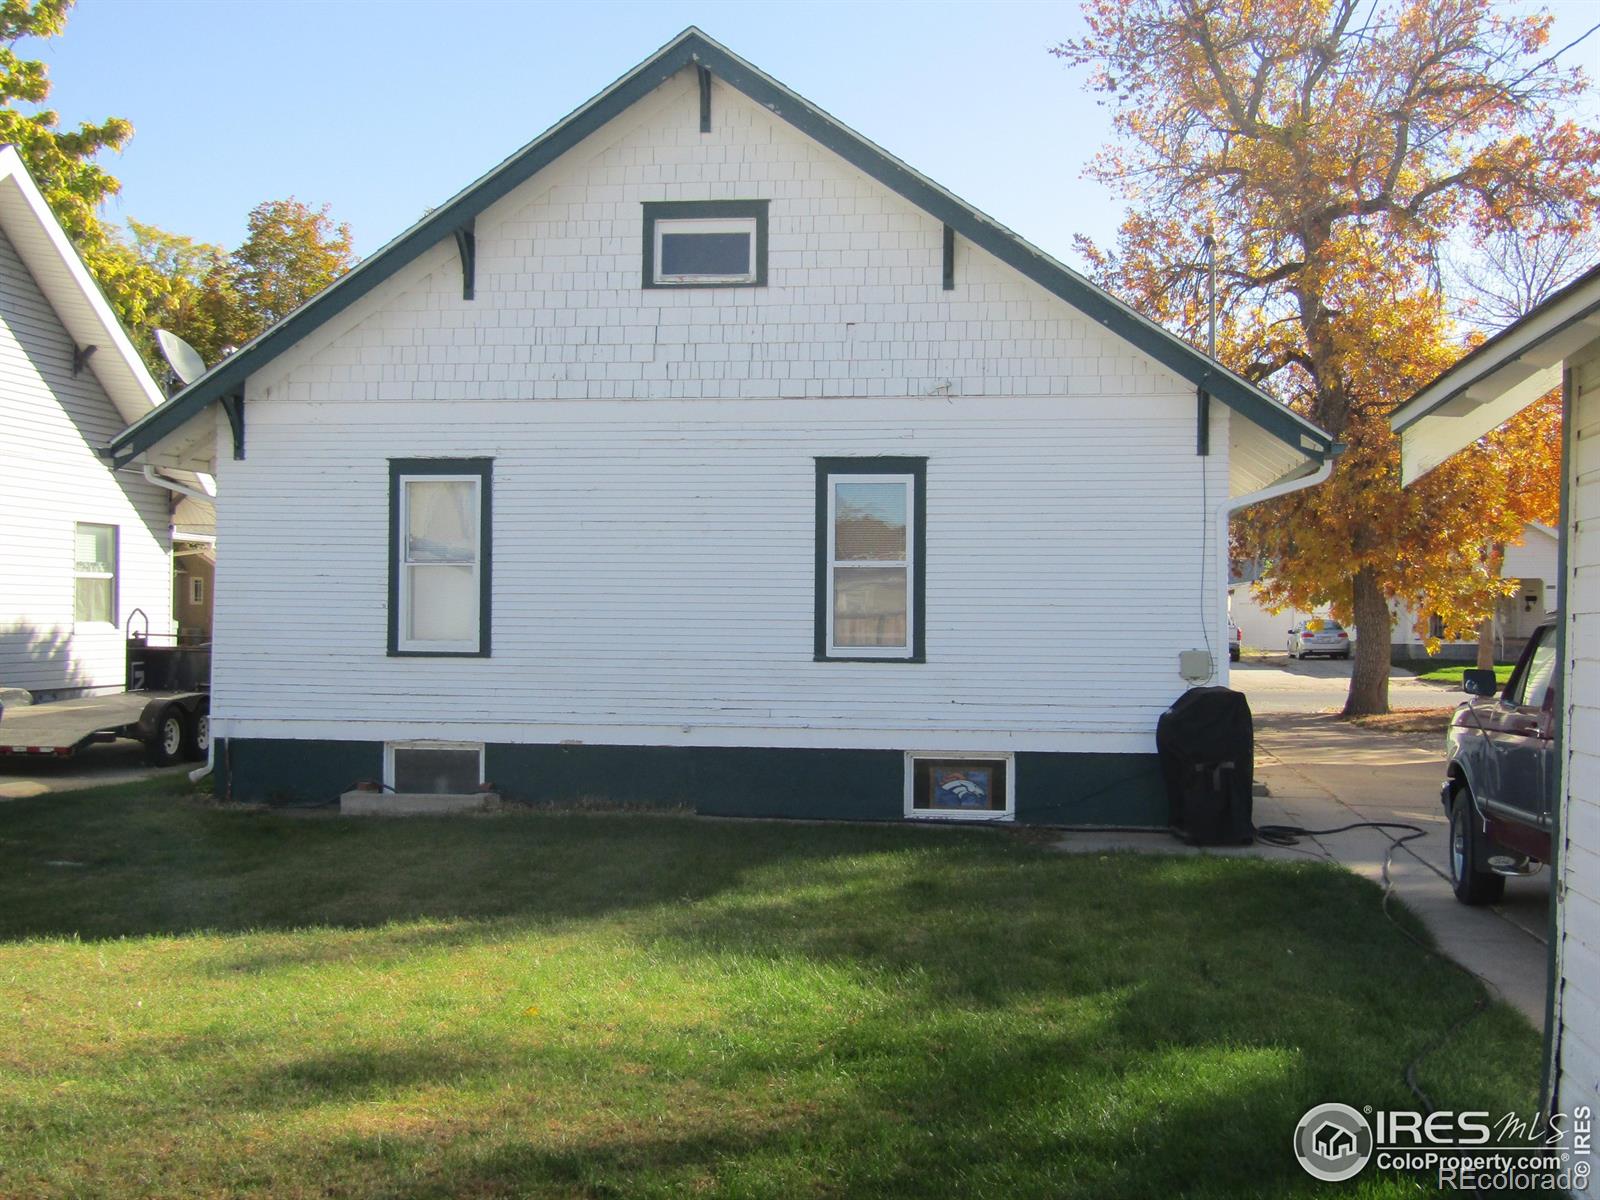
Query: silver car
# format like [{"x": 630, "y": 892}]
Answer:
[{"x": 1319, "y": 635}]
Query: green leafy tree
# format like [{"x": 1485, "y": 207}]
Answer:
[
  {"x": 62, "y": 161},
  {"x": 291, "y": 252}
]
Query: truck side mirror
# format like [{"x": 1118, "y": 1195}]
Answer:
[{"x": 1478, "y": 681}]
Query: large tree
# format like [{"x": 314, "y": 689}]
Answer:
[
  {"x": 217, "y": 300},
  {"x": 1337, "y": 150}
]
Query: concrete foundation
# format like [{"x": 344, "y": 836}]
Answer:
[{"x": 401, "y": 804}]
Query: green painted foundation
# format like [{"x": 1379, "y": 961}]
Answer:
[{"x": 851, "y": 785}]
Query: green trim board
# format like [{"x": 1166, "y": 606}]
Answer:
[
  {"x": 483, "y": 468},
  {"x": 669, "y": 210},
  {"x": 727, "y": 781},
  {"x": 693, "y": 47},
  {"x": 917, "y": 468}
]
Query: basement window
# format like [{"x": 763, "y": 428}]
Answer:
[
  {"x": 705, "y": 243},
  {"x": 960, "y": 787},
  {"x": 433, "y": 768}
]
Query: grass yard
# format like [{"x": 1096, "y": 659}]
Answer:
[
  {"x": 1434, "y": 671},
  {"x": 239, "y": 1003}
]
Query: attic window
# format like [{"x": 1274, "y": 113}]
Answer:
[{"x": 705, "y": 243}]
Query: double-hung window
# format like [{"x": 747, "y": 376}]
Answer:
[
  {"x": 870, "y": 550},
  {"x": 705, "y": 243},
  {"x": 439, "y": 556},
  {"x": 94, "y": 574}
]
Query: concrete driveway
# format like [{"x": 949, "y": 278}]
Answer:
[
  {"x": 1280, "y": 684},
  {"x": 93, "y": 766},
  {"x": 1323, "y": 773}
]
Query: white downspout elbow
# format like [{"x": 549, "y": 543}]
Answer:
[{"x": 173, "y": 485}]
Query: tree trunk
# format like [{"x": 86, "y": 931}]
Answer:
[
  {"x": 1369, "y": 681},
  {"x": 1496, "y": 563},
  {"x": 1486, "y": 642}
]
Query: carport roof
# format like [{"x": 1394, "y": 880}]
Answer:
[{"x": 1497, "y": 380}]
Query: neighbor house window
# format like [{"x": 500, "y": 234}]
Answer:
[
  {"x": 705, "y": 243},
  {"x": 197, "y": 590},
  {"x": 433, "y": 768},
  {"x": 870, "y": 550},
  {"x": 439, "y": 556},
  {"x": 972, "y": 787},
  {"x": 95, "y": 574}
]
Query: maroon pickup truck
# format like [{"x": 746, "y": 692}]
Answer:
[{"x": 1499, "y": 788}]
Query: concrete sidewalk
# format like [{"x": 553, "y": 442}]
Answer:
[{"x": 1323, "y": 773}]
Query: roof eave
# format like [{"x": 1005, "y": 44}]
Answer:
[{"x": 228, "y": 377}]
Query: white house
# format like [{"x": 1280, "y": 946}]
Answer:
[
  {"x": 1557, "y": 344},
  {"x": 1530, "y": 563},
  {"x": 704, "y": 454},
  {"x": 85, "y": 547}
]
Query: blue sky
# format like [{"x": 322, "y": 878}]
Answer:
[{"x": 383, "y": 108}]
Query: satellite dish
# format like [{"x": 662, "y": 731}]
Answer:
[{"x": 184, "y": 359}]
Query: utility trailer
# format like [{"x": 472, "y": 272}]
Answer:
[{"x": 167, "y": 707}]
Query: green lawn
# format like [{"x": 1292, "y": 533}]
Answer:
[
  {"x": 234, "y": 1003},
  {"x": 1435, "y": 671}
]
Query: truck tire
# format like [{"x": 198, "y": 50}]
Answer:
[
  {"x": 165, "y": 744},
  {"x": 197, "y": 733},
  {"x": 1471, "y": 885}
]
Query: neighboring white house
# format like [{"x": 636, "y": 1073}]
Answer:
[
  {"x": 1557, "y": 344},
  {"x": 702, "y": 453},
  {"x": 83, "y": 546},
  {"x": 1531, "y": 563}
]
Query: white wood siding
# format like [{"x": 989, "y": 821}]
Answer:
[
  {"x": 653, "y": 575},
  {"x": 654, "y": 478},
  {"x": 51, "y": 421},
  {"x": 1578, "y": 910}
]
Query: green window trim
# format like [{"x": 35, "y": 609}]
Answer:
[
  {"x": 483, "y": 469},
  {"x": 829, "y": 469},
  {"x": 678, "y": 210}
]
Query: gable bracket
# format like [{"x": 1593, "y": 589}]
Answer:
[
  {"x": 81, "y": 356},
  {"x": 467, "y": 248},
  {"x": 1202, "y": 421},
  {"x": 949, "y": 259},
  {"x": 233, "y": 406},
  {"x": 705, "y": 98}
]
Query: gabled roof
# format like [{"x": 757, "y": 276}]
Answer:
[
  {"x": 694, "y": 48},
  {"x": 80, "y": 306},
  {"x": 1498, "y": 379}
]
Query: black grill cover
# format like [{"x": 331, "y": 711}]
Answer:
[{"x": 1206, "y": 742}]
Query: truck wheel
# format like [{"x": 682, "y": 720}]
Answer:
[
  {"x": 164, "y": 747},
  {"x": 197, "y": 734},
  {"x": 1471, "y": 885}
]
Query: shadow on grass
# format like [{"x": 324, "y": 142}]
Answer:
[{"x": 837, "y": 1009}]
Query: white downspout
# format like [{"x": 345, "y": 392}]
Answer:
[
  {"x": 173, "y": 485},
  {"x": 199, "y": 773}
]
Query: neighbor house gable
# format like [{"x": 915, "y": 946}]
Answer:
[{"x": 453, "y": 225}]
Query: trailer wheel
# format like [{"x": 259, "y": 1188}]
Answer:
[
  {"x": 197, "y": 734},
  {"x": 164, "y": 747}
]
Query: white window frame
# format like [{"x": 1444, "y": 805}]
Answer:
[
  {"x": 909, "y": 563},
  {"x": 662, "y": 226},
  {"x": 197, "y": 589},
  {"x": 403, "y": 599},
  {"x": 1009, "y": 813},
  {"x": 390, "y": 747},
  {"x": 112, "y": 575}
]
